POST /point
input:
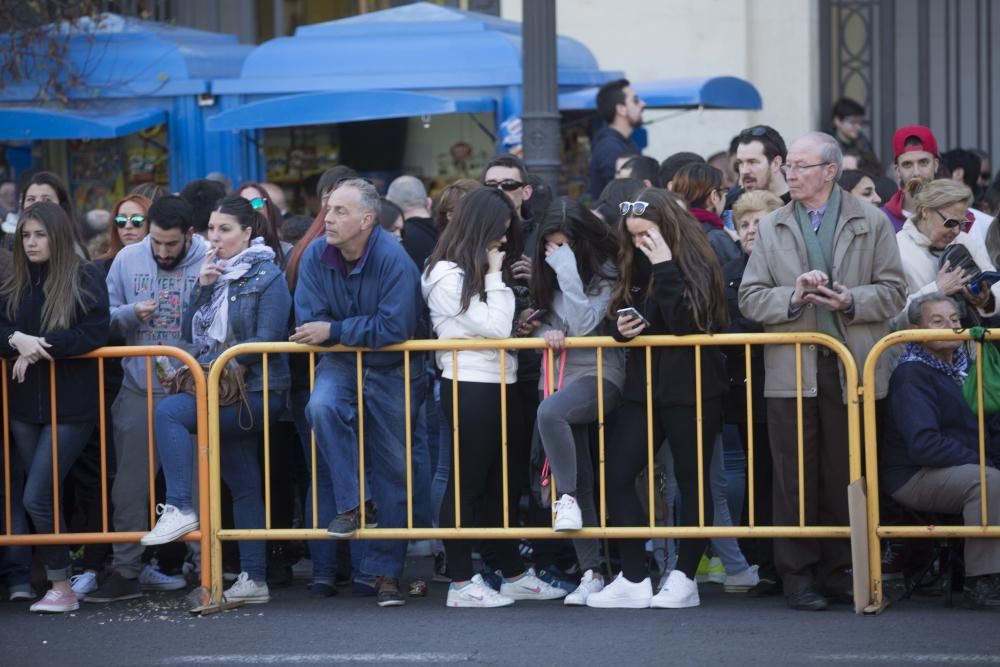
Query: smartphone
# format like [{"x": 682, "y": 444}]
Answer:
[
  {"x": 988, "y": 277},
  {"x": 536, "y": 314},
  {"x": 632, "y": 312}
]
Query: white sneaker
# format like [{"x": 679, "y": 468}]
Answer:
[
  {"x": 567, "y": 514},
  {"x": 678, "y": 593},
  {"x": 84, "y": 583},
  {"x": 151, "y": 579},
  {"x": 590, "y": 583},
  {"x": 172, "y": 524},
  {"x": 622, "y": 594},
  {"x": 247, "y": 590},
  {"x": 56, "y": 602},
  {"x": 476, "y": 594},
  {"x": 530, "y": 587},
  {"x": 742, "y": 582}
]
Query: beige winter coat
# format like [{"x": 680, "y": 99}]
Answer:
[{"x": 865, "y": 260}]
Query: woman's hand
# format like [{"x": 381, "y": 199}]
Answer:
[
  {"x": 494, "y": 260},
  {"x": 630, "y": 326},
  {"x": 210, "y": 270},
  {"x": 20, "y": 369},
  {"x": 555, "y": 339},
  {"x": 32, "y": 348},
  {"x": 950, "y": 281},
  {"x": 655, "y": 247}
]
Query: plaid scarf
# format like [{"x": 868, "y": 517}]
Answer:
[{"x": 956, "y": 370}]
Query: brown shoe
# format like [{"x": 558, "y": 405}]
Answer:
[{"x": 387, "y": 592}]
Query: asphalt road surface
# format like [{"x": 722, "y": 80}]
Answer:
[{"x": 296, "y": 630}]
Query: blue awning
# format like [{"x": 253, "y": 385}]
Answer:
[
  {"x": 33, "y": 123},
  {"x": 720, "y": 92},
  {"x": 341, "y": 107}
]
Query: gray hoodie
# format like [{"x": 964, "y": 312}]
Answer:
[{"x": 135, "y": 276}]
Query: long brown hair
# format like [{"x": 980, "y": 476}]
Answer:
[
  {"x": 114, "y": 240},
  {"x": 272, "y": 216},
  {"x": 698, "y": 264},
  {"x": 482, "y": 216},
  {"x": 64, "y": 295}
]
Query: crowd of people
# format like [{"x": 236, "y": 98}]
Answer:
[{"x": 779, "y": 239}]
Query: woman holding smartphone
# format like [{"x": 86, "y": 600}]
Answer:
[
  {"x": 467, "y": 298},
  {"x": 671, "y": 276},
  {"x": 574, "y": 286}
]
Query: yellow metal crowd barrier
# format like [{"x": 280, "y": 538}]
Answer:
[
  {"x": 876, "y": 530},
  {"x": 106, "y": 535},
  {"x": 643, "y": 344}
]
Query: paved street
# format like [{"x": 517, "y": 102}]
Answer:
[{"x": 294, "y": 629}]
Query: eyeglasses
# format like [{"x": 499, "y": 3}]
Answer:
[
  {"x": 258, "y": 203},
  {"x": 952, "y": 223},
  {"x": 789, "y": 168},
  {"x": 634, "y": 207},
  {"x": 507, "y": 184},
  {"x": 136, "y": 220}
]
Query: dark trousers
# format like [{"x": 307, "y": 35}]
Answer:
[
  {"x": 809, "y": 562},
  {"x": 759, "y": 550},
  {"x": 627, "y": 456},
  {"x": 480, "y": 474}
]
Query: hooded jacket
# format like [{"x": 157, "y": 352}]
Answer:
[
  {"x": 491, "y": 317},
  {"x": 135, "y": 276}
]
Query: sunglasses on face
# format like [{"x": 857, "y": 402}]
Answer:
[
  {"x": 633, "y": 207},
  {"x": 952, "y": 223},
  {"x": 135, "y": 220},
  {"x": 258, "y": 203},
  {"x": 507, "y": 185}
]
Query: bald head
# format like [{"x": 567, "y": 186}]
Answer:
[{"x": 409, "y": 194}]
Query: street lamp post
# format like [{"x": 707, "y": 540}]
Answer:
[{"x": 540, "y": 116}]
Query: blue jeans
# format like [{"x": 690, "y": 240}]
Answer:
[
  {"x": 33, "y": 460},
  {"x": 176, "y": 422},
  {"x": 333, "y": 413},
  {"x": 439, "y": 437}
]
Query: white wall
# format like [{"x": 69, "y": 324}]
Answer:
[{"x": 771, "y": 43}]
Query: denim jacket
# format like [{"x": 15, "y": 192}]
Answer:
[{"x": 259, "y": 305}]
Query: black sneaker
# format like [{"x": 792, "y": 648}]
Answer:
[
  {"x": 388, "y": 593},
  {"x": 371, "y": 514},
  {"x": 983, "y": 591},
  {"x": 115, "y": 589},
  {"x": 321, "y": 589},
  {"x": 344, "y": 525}
]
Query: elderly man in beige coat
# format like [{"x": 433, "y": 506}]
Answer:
[{"x": 825, "y": 262}]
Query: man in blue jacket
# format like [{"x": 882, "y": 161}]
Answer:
[
  {"x": 930, "y": 460},
  {"x": 358, "y": 287}
]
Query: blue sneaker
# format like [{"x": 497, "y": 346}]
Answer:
[
  {"x": 492, "y": 579},
  {"x": 363, "y": 589},
  {"x": 551, "y": 577}
]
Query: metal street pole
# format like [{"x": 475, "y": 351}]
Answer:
[{"x": 540, "y": 116}]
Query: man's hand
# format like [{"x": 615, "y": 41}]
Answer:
[
  {"x": 807, "y": 283},
  {"x": 837, "y": 299},
  {"x": 145, "y": 310},
  {"x": 311, "y": 333}
]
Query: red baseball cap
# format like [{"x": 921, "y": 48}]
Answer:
[{"x": 920, "y": 133}]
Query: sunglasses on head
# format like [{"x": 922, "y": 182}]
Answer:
[
  {"x": 137, "y": 220},
  {"x": 952, "y": 223},
  {"x": 258, "y": 203},
  {"x": 507, "y": 184},
  {"x": 633, "y": 207}
]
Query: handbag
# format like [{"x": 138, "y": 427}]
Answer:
[
  {"x": 991, "y": 376},
  {"x": 232, "y": 385}
]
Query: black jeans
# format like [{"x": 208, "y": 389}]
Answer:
[
  {"x": 626, "y": 458},
  {"x": 481, "y": 474}
]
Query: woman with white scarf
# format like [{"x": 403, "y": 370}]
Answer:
[{"x": 241, "y": 297}]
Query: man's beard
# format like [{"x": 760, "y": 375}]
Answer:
[{"x": 174, "y": 262}]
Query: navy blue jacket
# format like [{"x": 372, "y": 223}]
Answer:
[
  {"x": 259, "y": 305},
  {"x": 607, "y": 146},
  {"x": 76, "y": 379},
  {"x": 929, "y": 425},
  {"x": 377, "y": 303}
]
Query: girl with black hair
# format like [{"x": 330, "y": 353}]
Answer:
[
  {"x": 671, "y": 279},
  {"x": 467, "y": 297},
  {"x": 241, "y": 297},
  {"x": 573, "y": 286},
  {"x": 53, "y": 305}
]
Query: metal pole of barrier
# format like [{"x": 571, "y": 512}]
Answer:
[
  {"x": 649, "y": 433},
  {"x": 267, "y": 445},
  {"x": 752, "y": 516},
  {"x": 361, "y": 438},
  {"x": 211, "y": 563},
  {"x": 982, "y": 431},
  {"x": 150, "y": 446},
  {"x": 104, "y": 445},
  {"x": 701, "y": 445},
  {"x": 455, "y": 466},
  {"x": 214, "y": 476},
  {"x": 312, "y": 442},
  {"x": 798, "y": 410},
  {"x": 409, "y": 444},
  {"x": 600, "y": 432},
  {"x": 6, "y": 446},
  {"x": 503, "y": 438},
  {"x": 55, "y": 448},
  {"x": 871, "y": 481}
]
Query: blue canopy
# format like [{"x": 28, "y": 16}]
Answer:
[
  {"x": 95, "y": 122},
  {"x": 720, "y": 92},
  {"x": 340, "y": 107}
]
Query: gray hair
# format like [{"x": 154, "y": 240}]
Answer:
[
  {"x": 370, "y": 202},
  {"x": 407, "y": 192},
  {"x": 915, "y": 311},
  {"x": 829, "y": 150}
]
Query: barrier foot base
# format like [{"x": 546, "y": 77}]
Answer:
[{"x": 200, "y": 603}]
